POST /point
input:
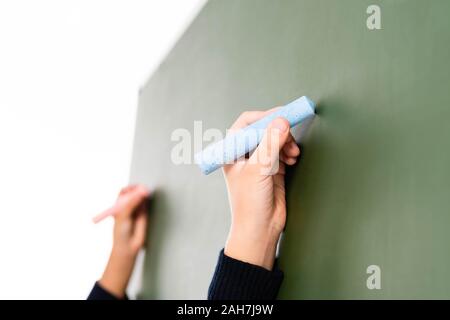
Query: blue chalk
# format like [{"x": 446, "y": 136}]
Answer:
[{"x": 245, "y": 140}]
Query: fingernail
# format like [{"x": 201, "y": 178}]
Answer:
[{"x": 280, "y": 124}]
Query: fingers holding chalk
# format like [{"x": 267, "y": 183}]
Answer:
[
  {"x": 248, "y": 117},
  {"x": 248, "y": 132},
  {"x": 134, "y": 199},
  {"x": 128, "y": 201}
]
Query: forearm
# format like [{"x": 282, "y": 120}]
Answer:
[
  {"x": 117, "y": 273},
  {"x": 252, "y": 246}
]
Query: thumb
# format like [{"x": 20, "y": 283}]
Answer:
[{"x": 268, "y": 152}]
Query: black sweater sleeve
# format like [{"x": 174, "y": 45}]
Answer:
[
  {"x": 237, "y": 280},
  {"x": 98, "y": 293},
  {"x": 232, "y": 280}
]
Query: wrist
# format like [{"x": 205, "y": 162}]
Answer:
[
  {"x": 257, "y": 247},
  {"x": 123, "y": 252}
]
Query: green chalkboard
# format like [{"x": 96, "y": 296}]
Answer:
[{"x": 373, "y": 184}]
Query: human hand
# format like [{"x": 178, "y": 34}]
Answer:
[
  {"x": 130, "y": 230},
  {"x": 257, "y": 194}
]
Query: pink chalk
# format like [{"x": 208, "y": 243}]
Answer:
[{"x": 119, "y": 206}]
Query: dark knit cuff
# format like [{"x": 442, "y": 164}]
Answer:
[
  {"x": 99, "y": 293},
  {"x": 238, "y": 280}
]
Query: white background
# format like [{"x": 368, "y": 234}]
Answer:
[{"x": 69, "y": 78}]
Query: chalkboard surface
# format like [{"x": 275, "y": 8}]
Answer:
[{"x": 373, "y": 185}]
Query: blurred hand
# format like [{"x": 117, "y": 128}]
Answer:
[
  {"x": 130, "y": 230},
  {"x": 257, "y": 194}
]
